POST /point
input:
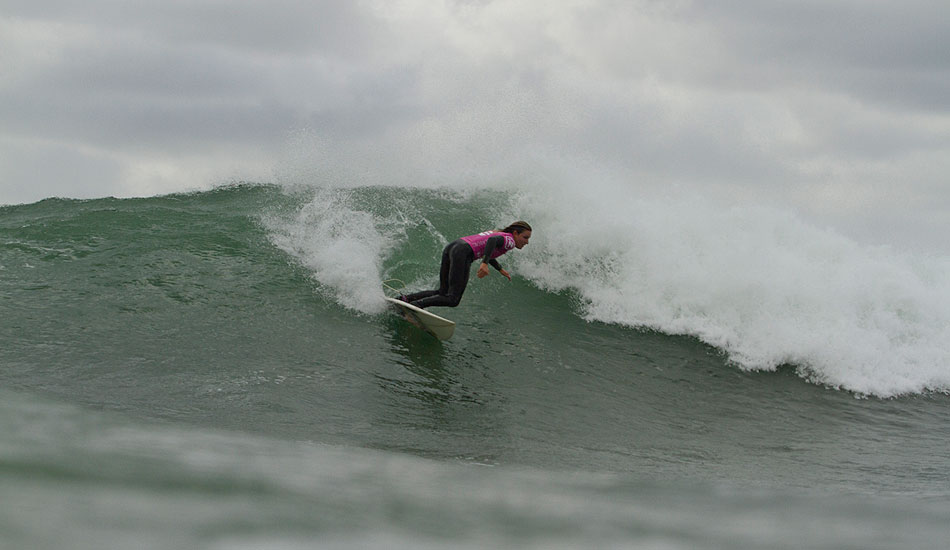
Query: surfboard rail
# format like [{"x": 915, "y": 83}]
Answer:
[{"x": 440, "y": 327}]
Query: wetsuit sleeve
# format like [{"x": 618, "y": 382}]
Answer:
[{"x": 491, "y": 244}]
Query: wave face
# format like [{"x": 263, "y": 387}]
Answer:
[{"x": 761, "y": 285}]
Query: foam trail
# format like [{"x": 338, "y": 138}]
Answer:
[
  {"x": 762, "y": 285},
  {"x": 340, "y": 245}
]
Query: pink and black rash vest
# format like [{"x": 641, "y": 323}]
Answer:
[{"x": 490, "y": 244}]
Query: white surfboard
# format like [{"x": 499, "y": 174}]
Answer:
[{"x": 440, "y": 327}]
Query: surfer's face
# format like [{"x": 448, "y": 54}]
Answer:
[{"x": 521, "y": 239}]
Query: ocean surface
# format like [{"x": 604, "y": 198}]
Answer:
[{"x": 218, "y": 370}]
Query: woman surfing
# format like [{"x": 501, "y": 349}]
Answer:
[{"x": 457, "y": 259}]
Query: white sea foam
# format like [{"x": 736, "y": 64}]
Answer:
[
  {"x": 341, "y": 246},
  {"x": 760, "y": 284}
]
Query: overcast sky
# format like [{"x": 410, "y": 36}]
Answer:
[{"x": 838, "y": 108}]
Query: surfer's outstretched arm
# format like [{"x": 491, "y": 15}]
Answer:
[{"x": 483, "y": 270}]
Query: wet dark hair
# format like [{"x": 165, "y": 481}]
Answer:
[{"x": 517, "y": 227}]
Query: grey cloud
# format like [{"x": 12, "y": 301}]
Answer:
[
  {"x": 892, "y": 53},
  {"x": 62, "y": 170},
  {"x": 112, "y": 96},
  {"x": 765, "y": 98},
  {"x": 275, "y": 27}
]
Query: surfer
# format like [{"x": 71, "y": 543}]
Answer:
[{"x": 457, "y": 258}]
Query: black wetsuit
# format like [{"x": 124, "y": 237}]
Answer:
[{"x": 457, "y": 261}]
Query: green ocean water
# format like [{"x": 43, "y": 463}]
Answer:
[{"x": 217, "y": 369}]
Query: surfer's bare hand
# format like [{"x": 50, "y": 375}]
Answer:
[
  {"x": 482, "y": 271},
  {"x": 505, "y": 273}
]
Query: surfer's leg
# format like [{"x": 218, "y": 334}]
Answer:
[
  {"x": 418, "y": 295},
  {"x": 446, "y": 268},
  {"x": 458, "y": 278},
  {"x": 456, "y": 265},
  {"x": 443, "y": 281}
]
